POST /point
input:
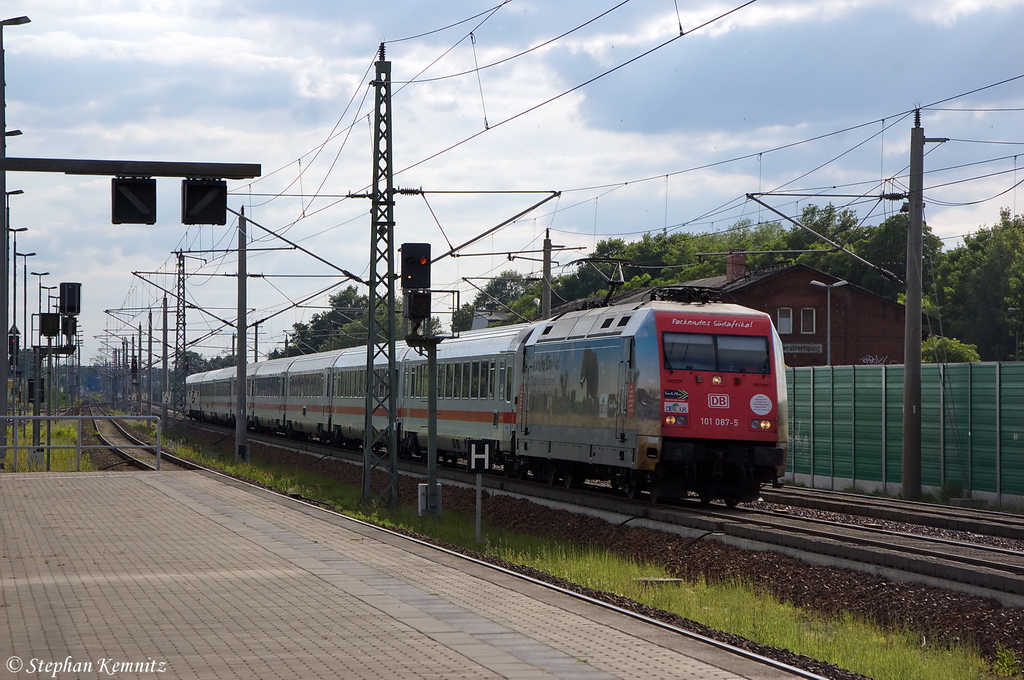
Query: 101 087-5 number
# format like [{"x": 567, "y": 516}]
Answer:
[{"x": 720, "y": 422}]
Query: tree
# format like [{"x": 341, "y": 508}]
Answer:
[
  {"x": 223, "y": 361},
  {"x": 948, "y": 351},
  {"x": 195, "y": 363},
  {"x": 504, "y": 289},
  {"x": 501, "y": 295},
  {"x": 462, "y": 318},
  {"x": 884, "y": 246},
  {"x": 979, "y": 281},
  {"x": 334, "y": 326}
]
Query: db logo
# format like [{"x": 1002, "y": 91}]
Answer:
[{"x": 718, "y": 401}]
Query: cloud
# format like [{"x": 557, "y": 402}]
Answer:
[{"x": 267, "y": 82}]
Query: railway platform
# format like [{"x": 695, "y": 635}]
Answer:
[{"x": 192, "y": 575}]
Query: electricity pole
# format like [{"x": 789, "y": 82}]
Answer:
[
  {"x": 380, "y": 447},
  {"x": 165, "y": 385},
  {"x": 912, "y": 328},
  {"x": 545, "y": 303},
  {"x": 241, "y": 418},
  {"x": 180, "y": 370}
]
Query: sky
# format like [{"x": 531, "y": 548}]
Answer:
[{"x": 647, "y": 116}]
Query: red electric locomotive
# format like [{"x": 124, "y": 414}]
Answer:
[{"x": 672, "y": 398}]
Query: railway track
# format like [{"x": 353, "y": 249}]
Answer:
[
  {"x": 974, "y": 521},
  {"x": 125, "y": 445},
  {"x": 901, "y": 550}
]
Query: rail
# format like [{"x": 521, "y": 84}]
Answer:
[{"x": 37, "y": 451}]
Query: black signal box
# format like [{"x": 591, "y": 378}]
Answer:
[
  {"x": 70, "y": 298},
  {"x": 204, "y": 201},
  {"x": 49, "y": 324},
  {"x": 417, "y": 305},
  {"x": 133, "y": 200},
  {"x": 416, "y": 266}
]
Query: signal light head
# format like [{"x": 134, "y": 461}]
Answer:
[{"x": 416, "y": 265}]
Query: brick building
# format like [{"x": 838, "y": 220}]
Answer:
[{"x": 866, "y": 328}]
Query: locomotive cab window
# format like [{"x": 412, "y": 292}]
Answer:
[
  {"x": 689, "y": 351},
  {"x": 725, "y": 353},
  {"x": 742, "y": 353}
]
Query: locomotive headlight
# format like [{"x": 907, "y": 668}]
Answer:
[
  {"x": 670, "y": 420},
  {"x": 758, "y": 424},
  {"x": 716, "y": 380}
]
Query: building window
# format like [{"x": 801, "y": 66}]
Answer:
[
  {"x": 785, "y": 325},
  {"x": 807, "y": 320}
]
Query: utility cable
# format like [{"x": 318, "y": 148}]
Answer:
[
  {"x": 489, "y": 11},
  {"x": 524, "y": 52},
  {"x": 572, "y": 89}
]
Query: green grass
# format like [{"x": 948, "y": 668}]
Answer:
[
  {"x": 61, "y": 460},
  {"x": 740, "y": 609},
  {"x": 737, "y": 608}
]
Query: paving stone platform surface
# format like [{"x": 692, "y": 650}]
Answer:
[{"x": 189, "y": 575}]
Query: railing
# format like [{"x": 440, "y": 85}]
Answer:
[{"x": 37, "y": 452}]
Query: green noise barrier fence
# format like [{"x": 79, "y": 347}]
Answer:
[{"x": 846, "y": 427}]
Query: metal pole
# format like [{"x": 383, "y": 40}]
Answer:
[
  {"x": 479, "y": 494},
  {"x": 912, "y": 328},
  {"x": 241, "y": 419},
  {"x": 49, "y": 400},
  {"x": 149, "y": 370},
  {"x": 137, "y": 378},
  {"x": 4, "y": 365},
  {"x": 78, "y": 367},
  {"x": 380, "y": 447},
  {"x": 14, "y": 306},
  {"x": 165, "y": 383},
  {"x": 828, "y": 326},
  {"x": 26, "y": 332},
  {"x": 37, "y": 393},
  {"x": 545, "y": 305},
  {"x": 126, "y": 385},
  {"x": 433, "y": 506}
]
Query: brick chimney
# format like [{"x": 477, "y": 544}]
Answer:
[{"x": 735, "y": 265}]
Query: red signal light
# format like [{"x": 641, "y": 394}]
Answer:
[{"x": 416, "y": 265}]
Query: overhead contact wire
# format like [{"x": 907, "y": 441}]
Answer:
[{"x": 572, "y": 89}]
